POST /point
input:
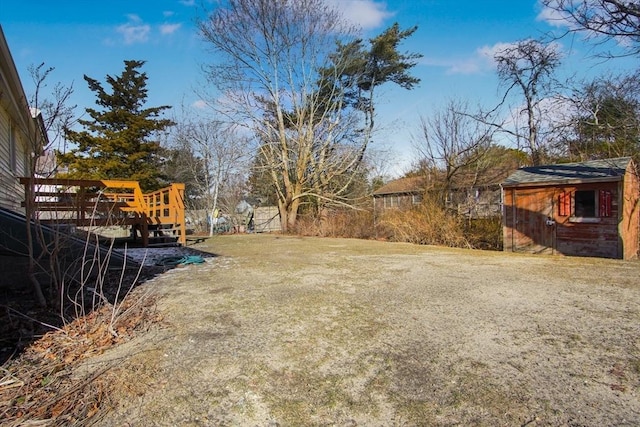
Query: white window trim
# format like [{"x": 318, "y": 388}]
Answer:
[{"x": 584, "y": 219}]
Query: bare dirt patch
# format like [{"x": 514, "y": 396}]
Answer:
[{"x": 307, "y": 331}]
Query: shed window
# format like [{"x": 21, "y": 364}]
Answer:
[{"x": 585, "y": 204}]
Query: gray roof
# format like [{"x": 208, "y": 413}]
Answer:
[{"x": 567, "y": 173}]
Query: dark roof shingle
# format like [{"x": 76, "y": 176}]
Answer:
[{"x": 565, "y": 173}]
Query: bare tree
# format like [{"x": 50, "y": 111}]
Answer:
[
  {"x": 275, "y": 60},
  {"x": 528, "y": 66},
  {"x": 453, "y": 142},
  {"x": 270, "y": 51},
  {"x": 215, "y": 156},
  {"x": 603, "y": 19},
  {"x": 380, "y": 161},
  {"x": 54, "y": 108},
  {"x": 52, "y": 115}
]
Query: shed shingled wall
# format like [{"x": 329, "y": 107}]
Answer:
[
  {"x": 527, "y": 209},
  {"x": 629, "y": 227}
]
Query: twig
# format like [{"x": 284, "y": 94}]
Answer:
[
  {"x": 9, "y": 381},
  {"x": 34, "y": 320}
]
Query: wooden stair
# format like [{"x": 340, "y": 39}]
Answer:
[
  {"x": 157, "y": 218},
  {"x": 163, "y": 235}
]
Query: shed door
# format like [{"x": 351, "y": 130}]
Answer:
[{"x": 535, "y": 228}]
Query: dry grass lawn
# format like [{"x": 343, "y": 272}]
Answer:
[{"x": 286, "y": 331}]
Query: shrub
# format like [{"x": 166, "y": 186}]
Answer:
[
  {"x": 426, "y": 224},
  {"x": 346, "y": 223},
  {"x": 484, "y": 233}
]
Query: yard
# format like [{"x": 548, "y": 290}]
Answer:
[{"x": 287, "y": 331}]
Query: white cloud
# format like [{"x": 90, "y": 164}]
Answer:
[
  {"x": 169, "y": 28},
  {"x": 468, "y": 66},
  {"x": 188, "y": 2},
  {"x": 552, "y": 16},
  {"x": 133, "y": 18},
  {"x": 454, "y": 65},
  {"x": 478, "y": 62},
  {"x": 482, "y": 60},
  {"x": 134, "y": 31},
  {"x": 366, "y": 14},
  {"x": 488, "y": 53},
  {"x": 168, "y": 13},
  {"x": 551, "y": 113},
  {"x": 563, "y": 20},
  {"x": 200, "y": 104}
]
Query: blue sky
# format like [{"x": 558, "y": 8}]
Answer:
[{"x": 457, "y": 39}]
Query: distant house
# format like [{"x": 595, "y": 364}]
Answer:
[
  {"x": 473, "y": 202},
  {"x": 403, "y": 192},
  {"x": 22, "y": 132},
  {"x": 581, "y": 209}
]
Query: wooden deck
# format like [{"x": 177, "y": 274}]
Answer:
[{"x": 100, "y": 203}]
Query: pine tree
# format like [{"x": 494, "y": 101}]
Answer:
[{"x": 118, "y": 141}]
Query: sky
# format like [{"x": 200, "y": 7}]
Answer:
[{"x": 456, "y": 38}]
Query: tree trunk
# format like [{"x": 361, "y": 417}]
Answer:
[
  {"x": 323, "y": 213},
  {"x": 288, "y": 214},
  {"x": 293, "y": 214},
  {"x": 214, "y": 206},
  {"x": 284, "y": 217}
]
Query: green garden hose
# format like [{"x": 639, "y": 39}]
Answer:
[{"x": 180, "y": 260}]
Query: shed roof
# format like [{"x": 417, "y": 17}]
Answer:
[
  {"x": 407, "y": 185},
  {"x": 567, "y": 173}
]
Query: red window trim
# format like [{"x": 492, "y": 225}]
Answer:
[
  {"x": 605, "y": 203},
  {"x": 564, "y": 203}
]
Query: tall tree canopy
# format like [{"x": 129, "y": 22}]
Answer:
[
  {"x": 357, "y": 69},
  {"x": 282, "y": 77},
  {"x": 119, "y": 141}
]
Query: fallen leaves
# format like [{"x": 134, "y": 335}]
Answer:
[{"x": 42, "y": 387}]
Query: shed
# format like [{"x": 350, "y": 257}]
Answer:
[{"x": 581, "y": 209}]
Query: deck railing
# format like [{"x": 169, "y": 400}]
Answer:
[{"x": 83, "y": 203}]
